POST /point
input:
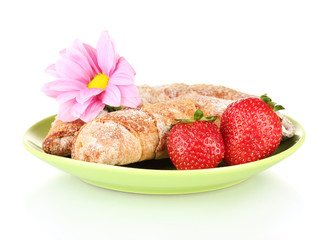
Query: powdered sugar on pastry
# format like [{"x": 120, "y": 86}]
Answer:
[
  {"x": 149, "y": 124},
  {"x": 164, "y": 93},
  {"x": 96, "y": 140},
  {"x": 147, "y": 127},
  {"x": 59, "y": 139},
  {"x": 117, "y": 138}
]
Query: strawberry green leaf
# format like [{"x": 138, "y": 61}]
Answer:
[
  {"x": 198, "y": 115},
  {"x": 278, "y": 107},
  {"x": 271, "y": 104},
  {"x": 185, "y": 120},
  {"x": 209, "y": 119},
  {"x": 265, "y": 98}
]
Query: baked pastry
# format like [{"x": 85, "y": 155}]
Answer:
[
  {"x": 135, "y": 135},
  {"x": 59, "y": 139},
  {"x": 144, "y": 129},
  {"x": 164, "y": 93}
]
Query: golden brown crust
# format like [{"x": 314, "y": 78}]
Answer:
[
  {"x": 164, "y": 93},
  {"x": 120, "y": 141},
  {"x": 58, "y": 141},
  {"x": 138, "y": 123},
  {"x": 211, "y": 106},
  {"x": 117, "y": 138},
  {"x": 134, "y": 135},
  {"x": 164, "y": 115}
]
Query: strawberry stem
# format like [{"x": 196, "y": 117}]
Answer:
[
  {"x": 198, "y": 116},
  {"x": 271, "y": 104}
]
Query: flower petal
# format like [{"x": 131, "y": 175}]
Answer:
[
  {"x": 85, "y": 94},
  {"x": 68, "y": 69},
  {"x": 132, "y": 102},
  {"x": 51, "y": 70},
  {"x": 129, "y": 96},
  {"x": 93, "y": 110},
  {"x": 79, "y": 108},
  {"x": 65, "y": 113},
  {"x": 79, "y": 57},
  {"x": 91, "y": 54},
  {"x": 106, "y": 54},
  {"x": 128, "y": 91},
  {"x": 89, "y": 57},
  {"x": 62, "y": 85},
  {"x": 66, "y": 96},
  {"x": 48, "y": 90},
  {"x": 124, "y": 73},
  {"x": 111, "y": 96},
  {"x": 63, "y": 52}
]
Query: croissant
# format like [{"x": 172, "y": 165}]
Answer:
[
  {"x": 59, "y": 139},
  {"x": 134, "y": 135}
]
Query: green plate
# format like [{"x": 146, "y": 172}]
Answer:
[{"x": 156, "y": 176}]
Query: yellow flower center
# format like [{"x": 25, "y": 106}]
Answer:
[{"x": 99, "y": 81}]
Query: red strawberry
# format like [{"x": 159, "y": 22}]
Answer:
[
  {"x": 195, "y": 143},
  {"x": 251, "y": 130}
]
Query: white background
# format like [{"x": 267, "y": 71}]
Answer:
[{"x": 273, "y": 47}]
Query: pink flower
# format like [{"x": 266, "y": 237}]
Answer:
[{"x": 87, "y": 79}]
